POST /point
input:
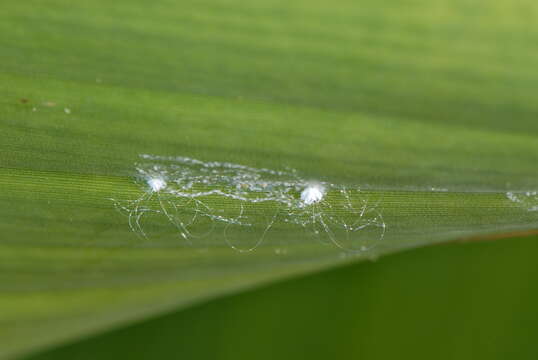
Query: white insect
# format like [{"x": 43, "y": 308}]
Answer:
[
  {"x": 156, "y": 184},
  {"x": 313, "y": 193},
  {"x": 141, "y": 206}
]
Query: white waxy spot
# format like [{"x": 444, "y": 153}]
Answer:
[
  {"x": 156, "y": 184},
  {"x": 67, "y": 111},
  {"x": 313, "y": 193}
]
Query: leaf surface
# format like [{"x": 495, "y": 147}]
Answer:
[{"x": 421, "y": 112}]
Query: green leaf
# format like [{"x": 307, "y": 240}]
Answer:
[
  {"x": 453, "y": 301},
  {"x": 419, "y": 119}
]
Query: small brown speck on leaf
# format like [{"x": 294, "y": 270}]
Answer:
[
  {"x": 49, "y": 103},
  {"x": 23, "y": 101}
]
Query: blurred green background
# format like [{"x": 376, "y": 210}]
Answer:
[{"x": 456, "y": 301}]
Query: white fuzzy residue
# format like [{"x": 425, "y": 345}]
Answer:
[
  {"x": 527, "y": 199},
  {"x": 156, "y": 184},
  {"x": 313, "y": 193},
  {"x": 187, "y": 192}
]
